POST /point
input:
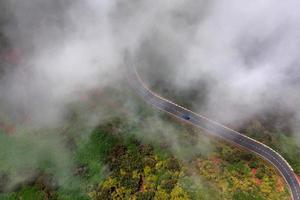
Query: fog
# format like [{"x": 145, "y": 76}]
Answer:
[
  {"x": 239, "y": 57},
  {"x": 250, "y": 54},
  {"x": 66, "y": 47}
]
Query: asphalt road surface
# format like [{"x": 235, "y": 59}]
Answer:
[{"x": 215, "y": 129}]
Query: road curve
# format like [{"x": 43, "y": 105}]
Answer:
[{"x": 215, "y": 129}]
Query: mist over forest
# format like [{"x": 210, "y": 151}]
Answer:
[
  {"x": 230, "y": 61},
  {"x": 240, "y": 57}
]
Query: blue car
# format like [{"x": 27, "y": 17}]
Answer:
[{"x": 186, "y": 117}]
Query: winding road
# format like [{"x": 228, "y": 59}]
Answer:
[{"x": 215, "y": 129}]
